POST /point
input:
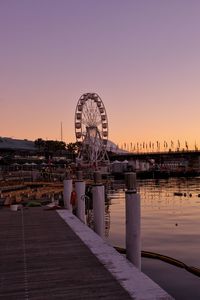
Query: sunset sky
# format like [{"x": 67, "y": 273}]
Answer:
[{"x": 142, "y": 58}]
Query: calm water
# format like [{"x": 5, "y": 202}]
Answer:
[{"x": 170, "y": 226}]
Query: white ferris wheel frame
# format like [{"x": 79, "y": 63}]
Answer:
[{"x": 91, "y": 128}]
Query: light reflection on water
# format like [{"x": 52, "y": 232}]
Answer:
[{"x": 170, "y": 224}]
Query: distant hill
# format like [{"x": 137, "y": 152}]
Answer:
[{"x": 16, "y": 144}]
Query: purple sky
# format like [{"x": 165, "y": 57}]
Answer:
[{"x": 141, "y": 57}]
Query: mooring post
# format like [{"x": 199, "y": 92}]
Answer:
[
  {"x": 133, "y": 215},
  {"x": 80, "y": 196},
  {"x": 98, "y": 196},
  {"x": 67, "y": 191},
  {"x": 52, "y": 199}
]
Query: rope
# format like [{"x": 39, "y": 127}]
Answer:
[{"x": 167, "y": 259}]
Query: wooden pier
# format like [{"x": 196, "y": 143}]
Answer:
[{"x": 42, "y": 258}]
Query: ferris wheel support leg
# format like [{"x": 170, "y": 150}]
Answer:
[
  {"x": 67, "y": 193},
  {"x": 80, "y": 193},
  {"x": 98, "y": 195}
]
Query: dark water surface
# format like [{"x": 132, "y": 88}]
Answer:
[{"x": 170, "y": 225}]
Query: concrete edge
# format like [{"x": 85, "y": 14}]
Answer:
[{"x": 136, "y": 283}]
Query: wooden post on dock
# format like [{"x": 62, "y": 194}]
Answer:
[
  {"x": 133, "y": 215},
  {"x": 98, "y": 196},
  {"x": 80, "y": 193},
  {"x": 67, "y": 192}
]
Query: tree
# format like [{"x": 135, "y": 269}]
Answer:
[
  {"x": 50, "y": 145},
  {"x": 73, "y": 147},
  {"x": 53, "y": 146},
  {"x": 40, "y": 144}
]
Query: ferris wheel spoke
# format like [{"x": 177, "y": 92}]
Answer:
[
  {"x": 96, "y": 110},
  {"x": 96, "y": 115},
  {"x": 90, "y": 117},
  {"x": 85, "y": 119},
  {"x": 90, "y": 104},
  {"x": 86, "y": 111},
  {"x": 84, "y": 123},
  {"x": 98, "y": 123}
]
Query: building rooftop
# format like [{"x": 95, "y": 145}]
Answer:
[{"x": 16, "y": 144}]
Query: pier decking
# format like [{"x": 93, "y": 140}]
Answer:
[{"x": 42, "y": 258}]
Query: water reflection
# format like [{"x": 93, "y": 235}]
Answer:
[
  {"x": 170, "y": 223},
  {"x": 170, "y": 226}
]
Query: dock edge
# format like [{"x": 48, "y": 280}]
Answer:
[{"x": 136, "y": 283}]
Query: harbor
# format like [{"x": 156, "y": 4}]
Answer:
[
  {"x": 169, "y": 227},
  {"x": 55, "y": 198},
  {"x": 174, "y": 203},
  {"x": 99, "y": 150}
]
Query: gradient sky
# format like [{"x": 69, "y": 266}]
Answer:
[{"x": 142, "y": 58}]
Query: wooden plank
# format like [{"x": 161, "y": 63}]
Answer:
[{"x": 42, "y": 258}]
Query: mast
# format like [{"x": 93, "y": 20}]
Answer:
[{"x": 61, "y": 132}]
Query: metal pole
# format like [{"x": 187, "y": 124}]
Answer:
[{"x": 133, "y": 216}]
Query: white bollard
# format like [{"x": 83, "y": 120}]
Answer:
[
  {"x": 52, "y": 199},
  {"x": 133, "y": 216},
  {"x": 67, "y": 193},
  {"x": 80, "y": 197},
  {"x": 14, "y": 207},
  {"x": 98, "y": 196}
]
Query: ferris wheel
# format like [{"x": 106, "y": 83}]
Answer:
[{"x": 91, "y": 128}]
